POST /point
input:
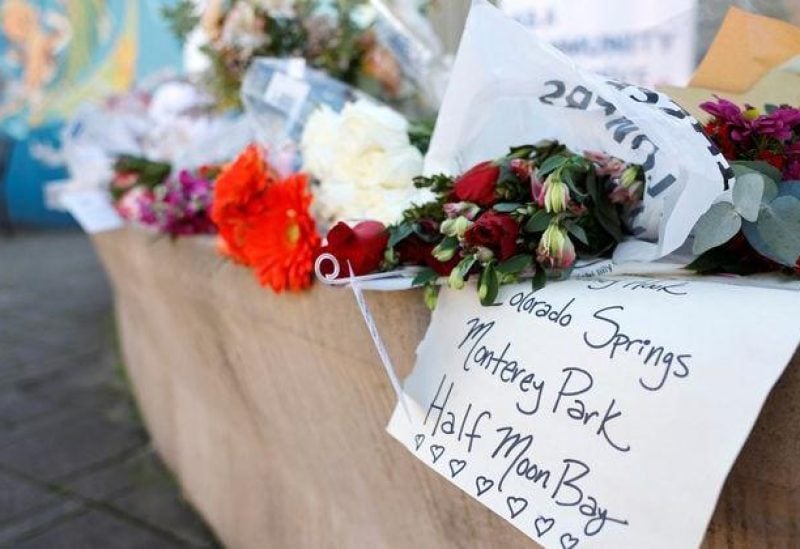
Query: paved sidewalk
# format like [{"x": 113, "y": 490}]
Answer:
[{"x": 76, "y": 467}]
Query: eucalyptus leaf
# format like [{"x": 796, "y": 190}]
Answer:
[
  {"x": 779, "y": 226},
  {"x": 742, "y": 167},
  {"x": 747, "y": 193},
  {"x": 718, "y": 225}
]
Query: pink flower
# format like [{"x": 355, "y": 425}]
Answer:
[
  {"x": 555, "y": 250},
  {"x": 137, "y": 205},
  {"x": 556, "y": 194}
]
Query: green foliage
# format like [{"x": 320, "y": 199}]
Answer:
[{"x": 181, "y": 18}]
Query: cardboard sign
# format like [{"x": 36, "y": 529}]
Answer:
[
  {"x": 509, "y": 88},
  {"x": 92, "y": 209},
  {"x": 586, "y": 420},
  {"x": 648, "y": 42}
]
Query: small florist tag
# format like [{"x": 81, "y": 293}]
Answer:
[
  {"x": 92, "y": 209},
  {"x": 586, "y": 420}
]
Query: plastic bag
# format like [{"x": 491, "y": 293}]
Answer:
[
  {"x": 508, "y": 88},
  {"x": 280, "y": 94}
]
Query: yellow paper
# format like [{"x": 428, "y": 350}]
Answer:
[{"x": 746, "y": 48}]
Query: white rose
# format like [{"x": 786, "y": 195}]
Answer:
[
  {"x": 318, "y": 142},
  {"x": 364, "y": 161}
]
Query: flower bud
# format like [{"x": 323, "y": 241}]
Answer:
[
  {"x": 555, "y": 250},
  {"x": 456, "y": 280},
  {"x": 455, "y": 227},
  {"x": 443, "y": 253},
  {"x": 484, "y": 254},
  {"x": 629, "y": 176},
  {"x": 556, "y": 194},
  {"x": 467, "y": 209},
  {"x": 751, "y": 113}
]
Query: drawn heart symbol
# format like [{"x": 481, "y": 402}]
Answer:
[
  {"x": 543, "y": 525},
  {"x": 456, "y": 465},
  {"x": 436, "y": 452},
  {"x": 483, "y": 484},
  {"x": 568, "y": 541},
  {"x": 516, "y": 505},
  {"x": 418, "y": 440}
]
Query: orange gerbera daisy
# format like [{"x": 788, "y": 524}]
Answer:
[
  {"x": 285, "y": 239},
  {"x": 238, "y": 196}
]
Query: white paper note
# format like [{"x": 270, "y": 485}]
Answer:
[
  {"x": 509, "y": 88},
  {"x": 586, "y": 420},
  {"x": 92, "y": 209}
]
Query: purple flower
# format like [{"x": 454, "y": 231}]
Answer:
[
  {"x": 724, "y": 110},
  {"x": 182, "y": 205},
  {"x": 779, "y": 124}
]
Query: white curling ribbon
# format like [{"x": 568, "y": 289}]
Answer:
[
  {"x": 376, "y": 339},
  {"x": 331, "y": 278}
]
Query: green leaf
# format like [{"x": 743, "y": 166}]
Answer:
[
  {"x": 551, "y": 165},
  {"x": 489, "y": 285},
  {"x": 516, "y": 264},
  {"x": 425, "y": 276},
  {"x": 398, "y": 233},
  {"x": 506, "y": 207},
  {"x": 577, "y": 231},
  {"x": 539, "y": 278},
  {"x": 743, "y": 167},
  {"x": 718, "y": 225},
  {"x": 538, "y": 222},
  {"x": 779, "y": 226},
  {"x": 604, "y": 211},
  {"x": 721, "y": 260},
  {"x": 747, "y": 193}
]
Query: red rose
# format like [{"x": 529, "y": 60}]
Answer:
[
  {"x": 478, "y": 184},
  {"x": 363, "y": 246},
  {"x": 495, "y": 231},
  {"x": 415, "y": 251}
]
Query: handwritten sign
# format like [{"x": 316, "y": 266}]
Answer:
[
  {"x": 92, "y": 209},
  {"x": 597, "y": 413},
  {"x": 509, "y": 88}
]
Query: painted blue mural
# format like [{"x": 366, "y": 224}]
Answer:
[{"x": 54, "y": 56}]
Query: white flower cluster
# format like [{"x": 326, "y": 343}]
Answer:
[{"x": 364, "y": 162}]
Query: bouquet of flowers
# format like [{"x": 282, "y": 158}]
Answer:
[
  {"x": 336, "y": 37},
  {"x": 756, "y": 228},
  {"x": 177, "y": 206},
  {"x": 529, "y": 213},
  {"x": 264, "y": 221}
]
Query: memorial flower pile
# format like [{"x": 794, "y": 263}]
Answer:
[
  {"x": 264, "y": 221},
  {"x": 364, "y": 161},
  {"x": 336, "y": 37},
  {"x": 757, "y": 228},
  {"x": 529, "y": 213}
]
